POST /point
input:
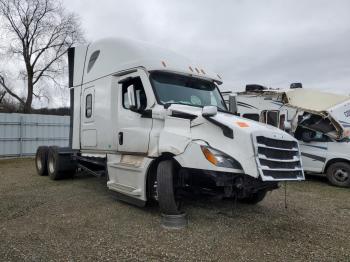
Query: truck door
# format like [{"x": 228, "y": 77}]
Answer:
[
  {"x": 313, "y": 149},
  {"x": 133, "y": 127},
  {"x": 87, "y": 124}
]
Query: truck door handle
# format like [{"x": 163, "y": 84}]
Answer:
[{"x": 120, "y": 138}]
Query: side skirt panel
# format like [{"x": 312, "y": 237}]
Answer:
[{"x": 128, "y": 175}]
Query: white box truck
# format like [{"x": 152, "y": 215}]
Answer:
[
  {"x": 157, "y": 126},
  {"x": 319, "y": 120}
]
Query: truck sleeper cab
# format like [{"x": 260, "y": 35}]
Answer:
[{"x": 158, "y": 127}]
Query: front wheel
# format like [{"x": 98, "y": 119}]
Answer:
[
  {"x": 254, "y": 198},
  {"x": 338, "y": 174},
  {"x": 166, "y": 192}
]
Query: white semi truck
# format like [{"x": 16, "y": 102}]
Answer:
[
  {"x": 157, "y": 126},
  {"x": 319, "y": 120}
]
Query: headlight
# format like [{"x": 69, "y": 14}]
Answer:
[{"x": 219, "y": 159}]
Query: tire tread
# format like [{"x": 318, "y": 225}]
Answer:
[{"x": 165, "y": 187}]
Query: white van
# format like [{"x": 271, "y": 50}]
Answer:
[
  {"x": 319, "y": 120},
  {"x": 157, "y": 126}
]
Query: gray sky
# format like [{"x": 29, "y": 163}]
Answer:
[{"x": 270, "y": 42}]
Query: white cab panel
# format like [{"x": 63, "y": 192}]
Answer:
[
  {"x": 89, "y": 138},
  {"x": 76, "y": 118},
  {"x": 103, "y": 117},
  {"x": 127, "y": 174},
  {"x": 79, "y": 61},
  {"x": 88, "y": 125},
  {"x": 132, "y": 128},
  {"x": 314, "y": 155}
]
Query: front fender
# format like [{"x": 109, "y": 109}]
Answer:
[{"x": 175, "y": 136}]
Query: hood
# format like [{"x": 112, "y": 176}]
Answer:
[
  {"x": 235, "y": 136},
  {"x": 325, "y": 112},
  {"x": 226, "y": 120}
]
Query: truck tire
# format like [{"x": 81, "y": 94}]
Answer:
[
  {"x": 254, "y": 198},
  {"x": 60, "y": 166},
  {"x": 338, "y": 174},
  {"x": 165, "y": 188},
  {"x": 41, "y": 160}
]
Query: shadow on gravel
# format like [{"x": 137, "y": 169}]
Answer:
[{"x": 317, "y": 178}]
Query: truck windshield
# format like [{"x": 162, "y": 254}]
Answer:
[{"x": 177, "y": 89}]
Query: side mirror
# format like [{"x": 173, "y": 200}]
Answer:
[
  {"x": 132, "y": 97},
  {"x": 209, "y": 111}
]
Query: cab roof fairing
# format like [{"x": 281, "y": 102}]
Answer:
[{"x": 121, "y": 54}]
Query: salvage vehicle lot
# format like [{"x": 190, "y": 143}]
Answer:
[{"x": 78, "y": 219}]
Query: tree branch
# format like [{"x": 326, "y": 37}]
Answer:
[
  {"x": 8, "y": 90},
  {"x": 2, "y": 95},
  {"x": 41, "y": 31},
  {"x": 42, "y": 71}
]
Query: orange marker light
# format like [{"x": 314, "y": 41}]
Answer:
[
  {"x": 209, "y": 155},
  {"x": 242, "y": 124}
]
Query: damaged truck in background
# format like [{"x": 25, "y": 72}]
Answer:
[
  {"x": 157, "y": 127},
  {"x": 319, "y": 120}
]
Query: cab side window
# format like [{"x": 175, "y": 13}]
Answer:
[
  {"x": 141, "y": 99},
  {"x": 88, "y": 106}
]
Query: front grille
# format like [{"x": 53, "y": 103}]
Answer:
[
  {"x": 277, "y": 154},
  {"x": 283, "y": 175},
  {"x": 276, "y": 142},
  {"x": 278, "y": 159},
  {"x": 275, "y": 164}
]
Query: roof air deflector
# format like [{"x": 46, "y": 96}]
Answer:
[{"x": 92, "y": 60}]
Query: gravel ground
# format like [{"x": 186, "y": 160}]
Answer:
[{"x": 78, "y": 220}]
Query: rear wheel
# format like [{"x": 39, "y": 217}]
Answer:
[
  {"x": 254, "y": 198},
  {"x": 59, "y": 166},
  {"x": 41, "y": 160},
  {"x": 338, "y": 174},
  {"x": 166, "y": 191}
]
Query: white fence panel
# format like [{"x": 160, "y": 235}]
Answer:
[{"x": 21, "y": 134}]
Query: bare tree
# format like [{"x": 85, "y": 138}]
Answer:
[
  {"x": 39, "y": 33},
  {"x": 2, "y": 95}
]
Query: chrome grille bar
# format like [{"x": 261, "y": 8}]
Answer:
[{"x": 277, "y": 159}]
